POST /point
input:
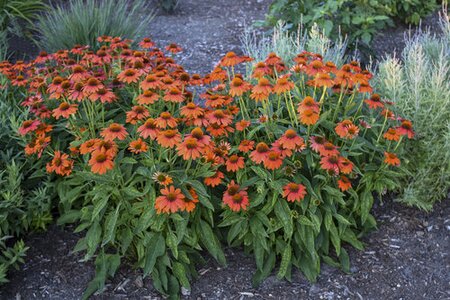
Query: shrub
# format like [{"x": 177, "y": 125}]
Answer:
[
  {"x": 419, "y": 84},
  {"x": 82, "y": 21},
  {"x": 358, "y": 19},
  {"x": 283, "y": 162}
]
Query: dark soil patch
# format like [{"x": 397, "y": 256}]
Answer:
[{"x": 407, "y": 258}]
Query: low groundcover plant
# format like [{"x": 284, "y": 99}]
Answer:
[{"x": 282, "y": 162}]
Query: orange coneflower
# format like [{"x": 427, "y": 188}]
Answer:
[
  {"x": 230, "y": 59},
  {"x": 165, "y": 120},
  {"x": 217, "y": 130},
  {"x": 171, "y": 200},
  {"x": 294, "y": 192},
  {"x": 314, "y": 67},
  {"x": 234, "y": 163},
  {"x": 235, "y": 197},
  {"x": 191, "y": 110},
  {"x": 214, "y": 180},
  {"x": 328, "y": 149},
  {"x": 190, "y": 148},
  {"x": 162, "y": 179},
  {"x": 89, "y": 146},
  {"x": 136, "y": 114},
  {"x": 101, "y": 162},
  {"x": 92, "y": 85},
  {"x": 64, "y": 110},
  {"x": 108, "y": 147},
  {"x": 290, "y": 140},
  {"x": 146, "y": 43},
  {"x": 137, "y": 146},
  {"x": 174, "y": 95},
  {"x": 308, "y": 103},
  {"x": 114, "y": 131},
  {"x": 309, "y": 117},
  {"x": 344, "y": 183},
  {"x": 189, "y": 204},
  {"x": 148, "y": 129},
  {"x": 105, "y": 95},
  {"x": 129, "y": 75},
  {"x": 262, "y": 90},
  {"x": 346, "y": 129},
  {"x": 220, "y": 117},
  {"x": 374, "y": 102},
  {"x": 197, "y": 133},
  {"x": 364, "y": 87},
  {"x": 238, "y": 87},
  {"x": 260, "y": 153},
  {"x": 345, "y": 165},
  {"x": 273, "y": 160},
  {"x": 60, "y": 164},
  {"x": 28, "y": 126},
  {"x": 391, "y": 135},
  {"x": 173, "y": 48},
  {"x": 391, "y": 159},
  {"x": 242, "y": 124},
  {"x": 283, "y": 85},
  {"x": 330, "y": 163},
  {"x": 150, "y": 82},
  {"x": 246, "y": 146},
  {"x": 406, "y": 128},
  {"x": 260, "y": 70},
  {"x": 282, "y": 150},
  {"x": 168, "y": 138},
  {"x": 147, "y": 97},
  {"x": 323, "y": 79}
]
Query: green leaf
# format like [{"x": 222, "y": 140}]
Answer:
[
  {"x": 285, "y": 261},
  {"x": 155, "y": 248},
  {"x": 180, "y": 272},
  {"x": 203, "y": 195},
  {"x": 110, "y": 226},
  {"x": 210, "y": 241},
  {"x": 283, "y": 213}
]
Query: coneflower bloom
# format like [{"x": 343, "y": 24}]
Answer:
[
  {"x": 197, "y": 133},
  {"x": 78, "y": 73},
  {"x": 230, "y": 59},
  {"x": 174, "y": 95},
  {"x": 391, "y": 135},
  {"x": 328, "y": 149},
  {"x": 308, "y": 103},
  {"x": 317, "y": 143},
  {"x": 148, "y": 129},
  {"x": 104, "y": 95},
  {"x": 238, "y": 87},
  {"x": 322, "y": 79},
  {"x": 147, "y": 97},
  {"x": 220, "y": 117},
  {"x": 374, "y": 102},
  {"x": 173, "y": 48},
  {"x": 150, "y": 82},
  {"x": 190, "y": 148},
  {"x": 146, "y": 43},
  {"x": 64, "y": 110},
  {"x": 406, "y": 128},
  {"x": 108, "y": 147},
  {"x": 114, "y": 131},
  {"x": 165, "y": 120},
  {"x": 136, "y": 114},
  {"x": 92, "y": 85},
  {"x": 29, "y": 126},
  {"x": 168, "y": 138},
  {"x": 282, "y": 150},
  {"x": 283, "y": 85},
  {"x": 346, "y": 129},
  {"x": 314, "y": 67},
  {"x": 294, "y": 192},
  {"x": 344, "y": 183},
  {"x": 234, "y": 163},
  {"x": 101, "y": 162},
  {"x": 235, "y": 197},
  {"x": 246, "y": 146},
  {"x": 273, "y": 160},
  {"x": 129, "y": 76},
  {"x": 391, "y": 159},
  {"x": 60, "y": 164},
  {"x": 76, "y": 93},
  {"x": 89, "y": 146},
  {"x": 309, "y": 117},
  {"x": 137, "y": 146},
  {"x": 171, "y": 200},
  {"x": 260, "y": 153},
  {"x": 330, "y": 163},
  {"x": 55, "y": 86},
  {"x": 191, "y": 110},
  {"x": 162, "y": 179},
  {"x": 214, "y": 180},
  {"x": 242, "y": 124},
  {"x": 345, "y": 165},
  {"x": 262, "y": 90},
  {"x": 290, "y": 140},
  {"x": 189, "y": 204}
]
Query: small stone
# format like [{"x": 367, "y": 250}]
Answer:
[
  {"x": 139, "y": 282},
  {"x": 420, "y": 233},
  {"x": 185, "y": 291}
]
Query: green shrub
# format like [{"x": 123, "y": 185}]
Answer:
[
  {"x": 358, "y": 19},
  {"x": 419, "y": 84},
  {"x": 82, "y": 21}
]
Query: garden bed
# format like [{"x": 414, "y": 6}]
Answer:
[{"x": 403, "y": 259}]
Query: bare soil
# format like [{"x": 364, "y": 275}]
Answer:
[{"x": 406, "y": 258}]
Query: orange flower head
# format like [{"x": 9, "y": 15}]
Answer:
[
  {"x": 294, "y": 192},
  {"x": 214, "y": 180},
  {"x": 171, "y": 200},
  {"x": 100, "y": 162},
  {"x": 29, "y": 126},
  {"x": 168, "y": 138},
  {"x": 234, "y": 163},
  {"x": 129, "y": 76},
  {"x": 391, "y": 135},
  {"x": 374, "y": 102},
  {"x": 174, "y": 95},
  {"x": 162, "y": 179},
  {"x": 406, "y": 128},
  {"x": 273, "y": 160},
  {"x": 330, "y": 163},
  {"x": 344, "y": 183},
  {"x": 138, "y": 146},
  {"x": 262, "y": 90},
  {"x": 65, "y": 110},
  {"x": 165, "y": 120},
  {"x": 114, "y": 131},
  {"x": 246, "y": 146},
  {"x": 391, "y": 159},
  {"x": 189, "y": 149},
  {"x": 191, "y": 110},
  {"x": 260, "y": 153},
  {"x": 309, "y": 117},
  {"x": 238, "y": 87},
  {"x": 235, "y": 197},
  {"x": 290, "y": 140},
  {"x": 283, "y": 85}
]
